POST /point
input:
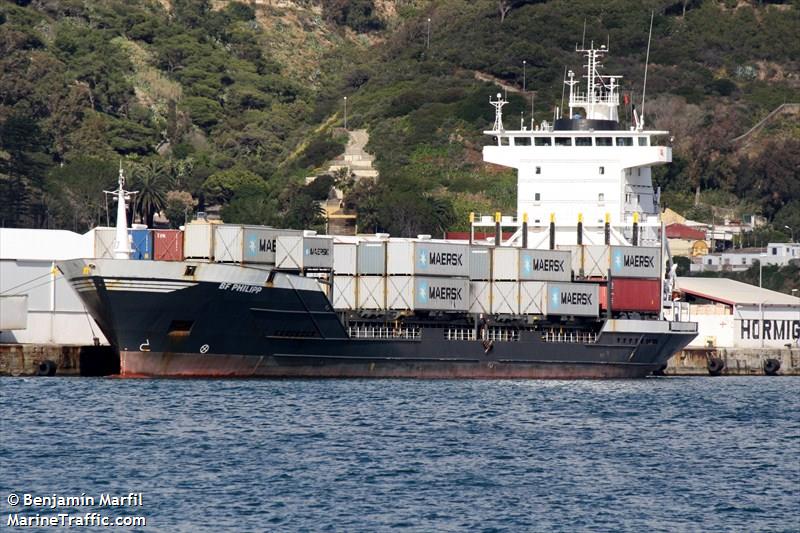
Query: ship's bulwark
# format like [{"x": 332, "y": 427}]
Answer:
[{"x": 177, "y": 365}]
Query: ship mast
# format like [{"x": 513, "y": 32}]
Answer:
[{"x": 122, "y": 244}]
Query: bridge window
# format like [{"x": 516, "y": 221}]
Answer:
[
  {"x": 624, "y": 141},
  {"x": 603, "y": 141},
  {"x": 541, "y": 141},
  {"x": 583, "y": 141},
  {"x": 503, "y": 141},
  {"x": 601, "y": 197},
  {"x": 522, "y": 141},
  {"x": 563, "y": 141},
  {"x": 643, "y": 141},
  {"x": 602, "y": 170},
  {"x": 538, "y": 170},
  {"x": 537, "y": 197}
]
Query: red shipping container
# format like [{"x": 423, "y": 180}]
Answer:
[
  {"x": 167, "y": 245},
  {"x": 628, "y": 294}
]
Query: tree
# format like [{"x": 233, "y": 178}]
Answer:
[
  {"x": 152, "y": 183},
  {"x": 221, "y": 186},
  {"x": 178, "y": 207}
]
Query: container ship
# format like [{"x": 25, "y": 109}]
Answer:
[{"x": 579, "y": 289}]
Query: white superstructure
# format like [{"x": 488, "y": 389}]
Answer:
[{"x": 583, "y": 166}]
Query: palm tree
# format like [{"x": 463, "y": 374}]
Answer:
[{"x": 152, "y": 183}]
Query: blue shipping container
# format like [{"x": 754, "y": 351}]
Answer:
[{"x": 141, "y": 243}]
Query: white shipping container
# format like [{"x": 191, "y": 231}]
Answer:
[
  {"x": 429, "y": 258},
  {"x": 344, "y": 292},
  {"x": 198, "y": 240},
  {"x": 372, "y": 258},
  {"x": 596, "y": 261},
  {"x": 579, "y": 299},
  {"x": 345, "y": 258},
  {"x": 228, "y": 243},
  {"x": 576, "y": 251},
  {"x": 301, "y": 252},
  {"x": 427, "y": 293},
  {"x": 480, "y": 263},
  {"x": 104, "y": 241},
  {"x": 505, "y": 263},
  {"x": 480, "y": 297},
  {"x": 531, "y": 294},
  {"x": 636, "y": 261},
  {"x": 545, "y": 265},
  {"x": 505, "y": 297},
  {"x": 371, "y": 292}
]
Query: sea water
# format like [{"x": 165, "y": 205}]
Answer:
[{"x": 660, "y": 454}]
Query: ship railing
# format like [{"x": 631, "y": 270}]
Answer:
[
  {"x": 502, "y": 335},
  {"x": 459, "y": 334},
  {"x": 383, "y": 332},
  {"x": 579, "y": 337}
]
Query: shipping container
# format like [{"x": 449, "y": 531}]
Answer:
[
  {"x": 480, "y": 263},
  {"x": 576, "y": 254},
  {"x": 636, "y": 262},
  {"x": 427, "y": 258},
  {"x": 167, "y": 245},
  {"x": 371, "y": 292},
  {"x": 531, "y": 294},
  {"x": 295, "y": 252},
  {"x": 260, "y": 243},
  {"x": 505, "y": 263},
  {"x": 372, "y": 258},
  {"x": 345, "y": 257},
  {"x": 344, "y": 292},
  {"x": 480, "y": 297},
  {"x": 427, "y": 293},
  {"x": 198, "y": 240},
  {"x": 631, "y": 294},
  {"x": 595, "y": 261},
  {"x": 228, "y": 243},
  {"x": 104, "y": 241},
  {"x": 141, "y": 244},
  {"x": 505, "y": 297},
  {"x": 579, "y": 299},
  {"x": 545, "y": 265}
]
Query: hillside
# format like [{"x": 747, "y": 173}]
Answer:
[{"x": 234, "y": 103}]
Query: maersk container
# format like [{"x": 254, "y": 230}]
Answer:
[
  {"x": 636, "y": 262},
  {"x": 260, "y": 243},
  {"x": 579, "y": 299},
  {"x": 480, "y": 263},
  {"x": 299, "y": 252},
  {"x": 632, "y": 294},
  {"x": 372, "y": 258},
  {"x": 531, "y": 294},
  {"x": 167, "y": 245},
  {"x": 345, "y": 258},
  {"x": 141, "y": 243},
  {"x": 344, "y": 292},
  {"x": 371, "y": 292},
  {"x": 104, "y": 240},
  {"x": 427, "y": 293},
  {"x": 480, "y": 297},
  {"x": 198, "y": 240},
  {"x": 595, "y": 261},
  {"x": 427, "y": 258},
  {"x": 545, "y": 265},
  {"x": 505, "y": 297},
  {"x": 576, "y": 254},
  {"x": 505, "y": 263}
]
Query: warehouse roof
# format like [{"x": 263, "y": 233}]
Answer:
[
  {"x": 682, "y": 231},
  {"x": 733, "y": 292}
]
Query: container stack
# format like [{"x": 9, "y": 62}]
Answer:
[
  {"x": 480, "y": 280},
  {"x": 371, "y": 270},
  {"x": 505, "y": 281},
  {"x": 537, "y": 270},
  {"x": 344, "y": 275},
  {"x": 427, "y": 275},
  {"x": 635, "y": 283},
  {"x": 234, "y": 243},
  {"x": 304, "y": 253}
]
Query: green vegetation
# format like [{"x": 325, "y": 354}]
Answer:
[{"x": 235, "y": 105}]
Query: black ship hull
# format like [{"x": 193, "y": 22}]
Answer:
[{"x": 172, "y": 323}]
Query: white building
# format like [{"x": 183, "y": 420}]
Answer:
[
  {"x": 776, "y": 253},
  {"x": 37, "y": 304},
  {"x": 731, "y": 314}
]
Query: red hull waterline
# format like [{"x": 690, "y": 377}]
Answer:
[{"x": 180, "y": 365}]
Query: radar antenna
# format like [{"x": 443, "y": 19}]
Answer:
[{"x": 498, "y": 111}]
